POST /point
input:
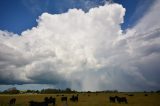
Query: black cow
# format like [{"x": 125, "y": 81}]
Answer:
[
  {"x": 50, "y": 100},
  {"x": 130, "y": 95},
  {"x": 63, "y": 98},
  {"x": 12, "y": 101},
  {"x": 145, "y": 94},
  {"x": 121, "y": 99},
  {"x": 112, "y": 99},
  {"x": 33, "y": 103},
  {"x": 74, "y": 98}
]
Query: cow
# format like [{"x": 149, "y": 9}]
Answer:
[
  {"x": 112, "y": 99},
  {"x": 124, "y": 99},
  {"x": 74, "y": 98},
  {"x": 63, "y": 98},
  {"x": 145, "y": 94},
  {"x": 33, "y": 103},
  {"x": 50, "y": 100},
  {"x": 121, "y": 99},
  {"x": 12, "y": 101}
]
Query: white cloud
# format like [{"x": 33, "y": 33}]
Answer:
[{"x": 84, "y": 51}]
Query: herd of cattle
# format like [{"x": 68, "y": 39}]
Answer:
[
  {"x": 51, "y": 100},
  {"x": 47, "y": 101}
]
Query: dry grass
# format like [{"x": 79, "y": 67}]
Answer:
[{"x": 100, "y": 99}]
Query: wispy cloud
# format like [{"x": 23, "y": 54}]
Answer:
[{"x": 140, "y": 11}]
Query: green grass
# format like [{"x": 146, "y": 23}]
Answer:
[{"x": 101, "y": 99}]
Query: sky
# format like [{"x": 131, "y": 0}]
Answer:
[{"x": 80, "y": 44}]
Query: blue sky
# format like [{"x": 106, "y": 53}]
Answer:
[
  {"x": 80, "y": 44},
  {"x": 18, "y": 15}
]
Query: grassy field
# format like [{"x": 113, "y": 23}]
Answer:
[{"x": 86, "y": 99}]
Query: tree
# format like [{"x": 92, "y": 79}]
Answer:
[
  {"x": 68, "y": 90},
  {"x": 12, "y": 90}
]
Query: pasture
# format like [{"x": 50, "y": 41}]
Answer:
[{"x": 85, "y": 99}]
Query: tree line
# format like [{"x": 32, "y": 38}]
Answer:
[{"x": 14, "y": 90}]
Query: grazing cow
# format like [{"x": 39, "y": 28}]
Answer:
[
  {"x": 121, "y": 99},
  {"x": 50, "y": 100},
  {"x": 33, "y": 103},
  {"x": 12, "y": 101},
  {"x": 112, "y": 99},
  {"x": 146, "y": 95},
  {"x": 74, "y": 98},
  {"x": 124, "y": 99},
  {"x": 63, "y": 98}
]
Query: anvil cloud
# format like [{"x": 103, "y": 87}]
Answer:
[{"x": 84, "y": 51}]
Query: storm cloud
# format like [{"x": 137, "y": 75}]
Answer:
[{"x": 84, "y": 51}]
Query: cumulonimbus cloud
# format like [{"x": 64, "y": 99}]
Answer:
[{"x": 84, "y": 51}]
